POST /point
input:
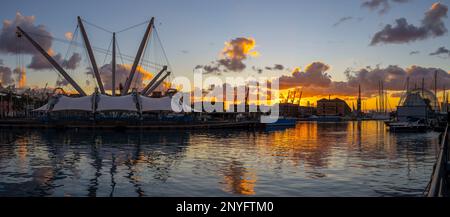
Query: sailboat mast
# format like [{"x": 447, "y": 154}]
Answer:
[
  {"x": 435, "y": 91},
  {"x": 113, "y": 62},
  {"x": 407, "y": 84}
]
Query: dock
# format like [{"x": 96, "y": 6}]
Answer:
[
  {"x": 127, "y": 125},
  {"x": 439, "y": 182}
]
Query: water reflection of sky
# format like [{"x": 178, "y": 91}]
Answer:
[{"x": 326, "y": 159}]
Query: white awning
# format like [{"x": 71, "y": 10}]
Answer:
[
  {"x": 43, "y": 108},
  {"x": 156, "y": 104},
  {"x": 73, "y": 104},
  {"x": 116, "y": 103}
]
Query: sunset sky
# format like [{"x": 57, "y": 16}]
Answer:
[{"x": 318, "y": 39}]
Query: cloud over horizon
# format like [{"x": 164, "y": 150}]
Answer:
[
  {"x": 233, "y": 55},
  {"x": 318, "y": 82},
  {"x": 122, "y": 71}
]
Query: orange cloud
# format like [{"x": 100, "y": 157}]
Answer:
[
  {"x": 232, "y": 56},
  {"x": 68, "y": 36}
]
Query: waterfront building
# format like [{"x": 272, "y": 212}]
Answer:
[{"x": 333, "y": 107}]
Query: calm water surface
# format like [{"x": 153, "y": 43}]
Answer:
[{"x": 312, "y": 159}]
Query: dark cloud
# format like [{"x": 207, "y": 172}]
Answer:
[
  {"x": 402, "y": 32},
  {"x": 313, "y": 75},
  {"x": 9, "y": 76},
  {"x": 342, "y": 20},
  {"x": 184, "y": 51},
  {"x": 278, "y": 67},
  {"x": 233, "y": 55},
  {"x": 61, "y": 82},
  {"x": 394, "y": 78},
  {"x": 441, "y": 50},
  {"x": 414, "y": 52},
  {"x": 235, "y": 65},
  {"x": 6, "y": 75},
  {"x": 38, "y": 62},
  {"x": 382, "y": 6},
  {"x": 259, "y": 70},
  {"x": 207, "y": 69},
  {"x": 72, "y": 62},
  {"x": 11, "y": 44}
]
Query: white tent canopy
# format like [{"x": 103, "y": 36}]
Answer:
[
  {"x": 68, "y": 103},
  {"x": 117, "y": 103},
  {"x": 156, "y": 104},
  {"x": 110, "y": 103}
]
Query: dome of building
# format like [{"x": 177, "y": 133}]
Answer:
[{"x": 419, "y": 97}]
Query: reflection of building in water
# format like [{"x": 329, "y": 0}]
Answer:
[
  {"x": 22, "y": 150},
  {"x": 238, "y": 179},
  {"x": 302, "y": 144}
]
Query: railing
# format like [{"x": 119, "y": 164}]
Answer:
[{"x": 438, "y": 184}]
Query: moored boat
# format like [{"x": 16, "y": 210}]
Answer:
[
  {"x": 283, "y": 122},
  {"x": 408, "y": 126}
]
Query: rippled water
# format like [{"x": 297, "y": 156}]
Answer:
[{"x": 312, "y": 159}]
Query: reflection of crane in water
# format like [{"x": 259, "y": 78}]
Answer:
[
  {"x": 113, "y": 171},
  {"x": 131, "y": 165},
  {"x": 97, "y": 164},
  {"x": 149, "y": 151}
]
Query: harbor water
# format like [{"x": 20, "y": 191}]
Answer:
[{"x": 311, "y": 159}]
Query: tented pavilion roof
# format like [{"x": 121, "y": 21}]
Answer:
[
  {"x": 100, "y": 102},
  {"x": 156, "y": 104},
  {"x": 116, "y": 103},
  {"x": 65, "y": 103}
]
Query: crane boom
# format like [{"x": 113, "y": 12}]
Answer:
[
  {"x": 300, "y": 98},
  {"x": 157, "y": 84},
  {"x": 150, "y": 84},
  {"x": 91, "y": 55},
  {"x": 52, "y": 61},
  {"x": 138, "y": 57}
]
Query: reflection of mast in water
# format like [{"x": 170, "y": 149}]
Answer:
[
  {"x": 113, "y": 171},
  {"x": 97, "y": 164},
  {"x": 358, "y": 133},
  {"x": 131, "y": 163}
]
